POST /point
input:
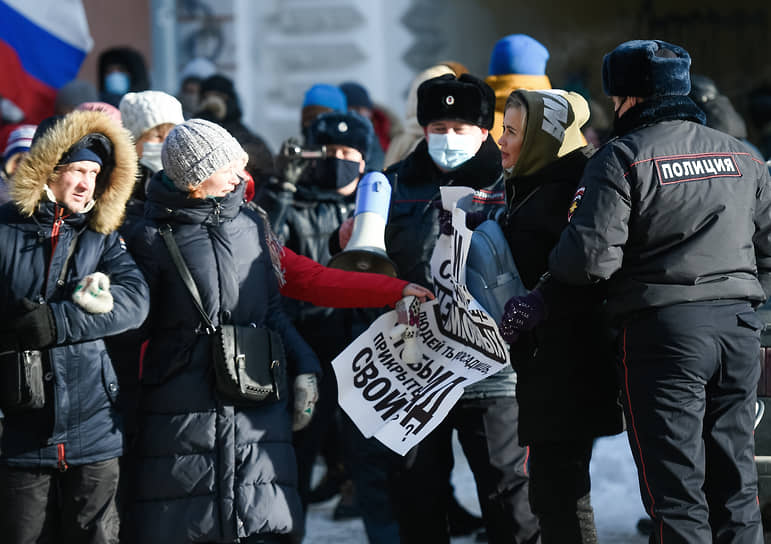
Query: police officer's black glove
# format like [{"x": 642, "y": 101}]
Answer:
[
  {"x": 289, "y": 165},
  {"x": 35, "y": 328}
]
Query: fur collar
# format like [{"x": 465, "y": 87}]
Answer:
[
  {"x": 656, "y": 110},
  {"x": 33, "y": 173}
]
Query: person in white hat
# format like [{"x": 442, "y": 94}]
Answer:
[{"x": 150, "y": 116}]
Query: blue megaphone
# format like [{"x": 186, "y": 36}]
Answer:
[{"x": 365, "y": 252}]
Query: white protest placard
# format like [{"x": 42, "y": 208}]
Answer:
[{"x": 459, "y": 344}]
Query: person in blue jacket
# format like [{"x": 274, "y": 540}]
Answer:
[
  {"x": 208, "y": 470},
  {"x": 59, "y": 463}
]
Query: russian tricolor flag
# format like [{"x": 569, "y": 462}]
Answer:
[{"x": 42, "y": 45}]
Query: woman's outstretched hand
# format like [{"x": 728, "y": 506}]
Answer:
[{"x": 417, "y": 291}]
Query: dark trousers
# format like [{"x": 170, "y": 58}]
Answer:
[
  {"x": 689, "y": 374},
  {"x": 560, "y": 491},
  {"x": 41, "y": 505},
  {"x": 487, "y": 431},
  {"x": 309, "y": 441},
  {"x": 369, "y": 463},
  {"x": 264, "y": 539}
]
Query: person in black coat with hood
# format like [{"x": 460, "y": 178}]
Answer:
[
  {"x": 121, "y": 70},
  {"x": 566, "y": 382},
  {"x": 719, "y": 111}
]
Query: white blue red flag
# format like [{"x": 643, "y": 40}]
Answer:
[{"x": 42, "y": 45}]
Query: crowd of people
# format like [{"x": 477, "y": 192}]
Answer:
[{"x": 136, "y": 227}]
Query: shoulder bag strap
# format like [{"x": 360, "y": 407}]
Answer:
[{"x": 184, "y": 273}]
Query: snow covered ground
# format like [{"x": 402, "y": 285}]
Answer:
[{"x": 615, "y": 496}]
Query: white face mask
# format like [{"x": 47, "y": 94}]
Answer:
[
  {"x": 450, "y": 150},
  {"x": 151, "y": 156}
]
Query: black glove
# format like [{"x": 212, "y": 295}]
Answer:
[
  {"x": 474, "y": 219},
  {"x": 289, "y": 165},
  {"x": 36, "y": 327},
  {"x": 445, "y": 217}
]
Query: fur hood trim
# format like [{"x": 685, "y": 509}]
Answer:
[{"x": 33, "y": 173}]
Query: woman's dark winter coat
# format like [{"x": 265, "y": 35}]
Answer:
[
  {"x": 566, "y": 381},
  {"x": 208, "y": 471}
]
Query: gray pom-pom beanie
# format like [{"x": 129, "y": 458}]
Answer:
[{"x": 195, "y": 149}]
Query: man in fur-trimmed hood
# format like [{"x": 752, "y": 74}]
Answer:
[
  {"x": 77, "y": 137},
  {"x": 66, "y": 282}
]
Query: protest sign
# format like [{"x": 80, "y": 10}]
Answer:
[{"x": 399, "y": 402}]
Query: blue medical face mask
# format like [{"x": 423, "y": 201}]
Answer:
[
  {"x": 117, "y": 83},
  {"x": 450, "y": 150}
]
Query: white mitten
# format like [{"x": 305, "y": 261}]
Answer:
[
  {"x": 306, "y": 393},
  {"x": 92, "y": 294},
  {"x": 406, "y": 329}
]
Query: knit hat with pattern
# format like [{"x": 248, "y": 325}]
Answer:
[
  {"x": 20, "y": 139},
  {"x": 195, "y": 149}
]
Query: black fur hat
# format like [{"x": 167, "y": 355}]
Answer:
[
  {"x": 646, "y": 68},
  {"x": 349, "y": 129},
  {"x": 465, "y": 98}
]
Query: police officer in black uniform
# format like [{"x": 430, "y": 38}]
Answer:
[{"x": 677, "y": 217}]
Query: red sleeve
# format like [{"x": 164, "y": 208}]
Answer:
[{"x": 307, "y": 280}]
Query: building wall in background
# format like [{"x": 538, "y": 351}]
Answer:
[{"x": 275, "y": 49}]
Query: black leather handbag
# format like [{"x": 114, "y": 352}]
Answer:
[
  {"x": 21, "y": 381},
  {"x": 249, "y": 362}
]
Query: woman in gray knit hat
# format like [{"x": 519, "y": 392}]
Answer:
[{"x": 209, "y": 471}]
